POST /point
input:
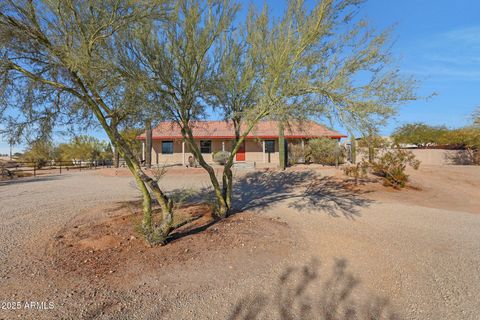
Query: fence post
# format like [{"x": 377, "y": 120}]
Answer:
[{"x": 34, "y": 170}]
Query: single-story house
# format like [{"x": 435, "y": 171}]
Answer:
[{"x": 260, "y": 146}]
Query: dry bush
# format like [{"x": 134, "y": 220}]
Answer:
[
  {"x": 298, "y": 154},
  {"x": 221, "y": 157},
  {"x": 324, "y": 151},
  {"x": 357, "y": 171},
  {"x": 391, "y": 165}
]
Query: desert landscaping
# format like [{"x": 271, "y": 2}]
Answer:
[
  {"x": 410, "y": 254},
  {"x": 240, "y": 160}
]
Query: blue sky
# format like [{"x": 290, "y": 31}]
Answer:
[{"x": 437, "y": 41}]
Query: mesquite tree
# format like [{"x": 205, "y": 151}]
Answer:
[{"x": 58, "y": 65}]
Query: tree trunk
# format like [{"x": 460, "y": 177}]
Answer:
[
  {"x": 227, "y": 186},
  {"x": 116, "y": 157},
  {"x": 221, "y": 210},
  {"x": 281, "y": 145},
  {"x": 153, "y": 234},
  {"x": 148, "y": 144},
  {"x": 353, "y": 149}
]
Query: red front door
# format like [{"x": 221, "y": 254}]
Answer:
[{"x": 241, "y": 153}]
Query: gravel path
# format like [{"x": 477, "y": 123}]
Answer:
[{"x": 426, "y": 261}]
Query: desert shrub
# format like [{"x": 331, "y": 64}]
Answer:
[
  {"x": 221, "y": 157},
  {"x": 391, "y": 165},
  {"x": 192, "y": 162},
  {"x": 357, "y": 171},
  {"x": 324, "y": 151},
  {"x": 298, "y": 154}
]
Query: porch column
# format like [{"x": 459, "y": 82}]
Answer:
[
  {"x": 183, "y": 153},
  {"x": 223, "y": 145},
  {"x": 263, "y": 153},
  {"x": 303, "y": 144},
  {"x": 143, "y": 150}
]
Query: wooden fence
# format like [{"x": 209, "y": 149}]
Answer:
[{"x": 23, "y": 169}]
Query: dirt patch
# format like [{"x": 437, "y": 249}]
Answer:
[
  {"x": 110, "y": 249},
  {"x": 443, "y": 187}
]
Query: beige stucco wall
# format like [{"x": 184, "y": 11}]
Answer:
[
  {"x": 253, "y": 152},
  {"x": 431, "y": 156},
  {"x": 438, "y": 156}
]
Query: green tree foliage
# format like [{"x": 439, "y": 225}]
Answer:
[
  {"x": 467, "y": 138},
  {"x": 60, "y": 65},
  {"x": 85, "y": 148},
  {"x": 419, "y": 134},
  {"x": 306, "y": 63},
  {"x": 39, "y": 153},
  {"x": 130, "y": 136},
  {"x": 112, "y": 62}
]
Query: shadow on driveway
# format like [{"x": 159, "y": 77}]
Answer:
[
  {"x": 303, "y": 293},
  {"x": 305, "y": 190}
]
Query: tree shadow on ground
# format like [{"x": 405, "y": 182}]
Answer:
[
  {"x": 302, "y": 294},
  {"x": 304, "y": 190}
]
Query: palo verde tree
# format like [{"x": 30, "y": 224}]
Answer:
[
  {"x": 174, "y": 62},
  {"x": 320, "y": 63},
  {"x": 58, "y": 63}
]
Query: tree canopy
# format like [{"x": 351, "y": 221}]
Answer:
[
  {"x": 419, "y": 134},
  {"x": 116, "y": 64}
]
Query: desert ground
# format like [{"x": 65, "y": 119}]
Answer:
[{"x": 305, "y": 244}]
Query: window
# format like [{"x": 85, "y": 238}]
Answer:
[
  {"x": 167, "y": 147},
  {"x": 269, "y": 146},
  {"x": 206, "y": 146}
]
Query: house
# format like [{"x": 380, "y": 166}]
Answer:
[{"x": 260, "y": 146}]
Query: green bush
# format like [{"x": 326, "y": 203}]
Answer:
[
  {"x": 221, "y": 157},
  {"x": 391, "y": 165},
  {"x": 324, "y": 151}
]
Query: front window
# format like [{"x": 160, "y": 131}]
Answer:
[
  {"x": 269, "y": 146},
  {"x": 167, "y": 147},
  {"x": 206, "y": 146}
]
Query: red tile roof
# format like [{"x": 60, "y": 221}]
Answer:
[{"x": 224, "y": 130}]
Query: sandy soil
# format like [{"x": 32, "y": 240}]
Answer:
[{"x": 306, "y": 245}]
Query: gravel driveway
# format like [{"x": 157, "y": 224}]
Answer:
[{"x": 425, "y": 261}]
